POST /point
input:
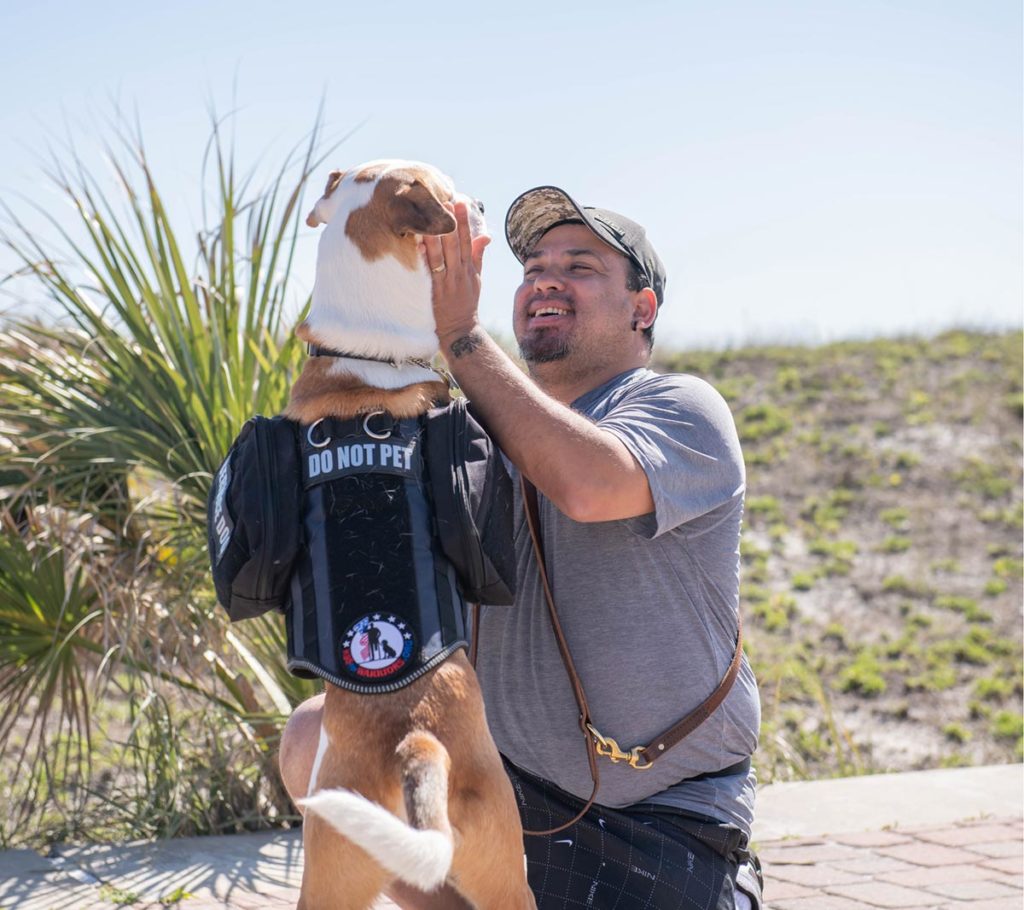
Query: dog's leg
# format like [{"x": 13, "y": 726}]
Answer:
[
  {"x": 419, "y": 853},
  {"x": 337, "y": 875},
  {"x": 299, "y": 746},
  {"x": 491, "y": 875}
]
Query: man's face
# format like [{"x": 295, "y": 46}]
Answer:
[{"x": 573, "y": 300}]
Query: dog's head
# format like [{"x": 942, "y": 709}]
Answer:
[
  {"x": 372, "y": 295},
  {"x": 388, "y": 205}
]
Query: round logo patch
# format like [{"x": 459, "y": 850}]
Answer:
[{"x": 377, "y": 646}]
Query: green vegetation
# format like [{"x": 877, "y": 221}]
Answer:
[
  {"x": 130, "y": 708},
  {"x": 117, "y": 896},
  {"x": 761, "y": 421},
  {"x": 897, "y": 518},
  {"x": 803, "y": 581},
  {"x": 1008, "y": 725},
  {"x": 897, "y": 584},
  {"x": 864, "y": 675},
  {"x": 901, "y": 554},
  {"x": 957, "y": 733},
  {"x": 895, "y": 543}
]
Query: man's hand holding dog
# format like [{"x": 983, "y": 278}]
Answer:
[{"x": 455, "y": 261}]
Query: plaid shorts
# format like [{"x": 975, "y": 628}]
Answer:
[{"x": 646, "y": 856}]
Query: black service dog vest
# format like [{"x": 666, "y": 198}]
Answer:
[
  {"x": 369, "y": 534},
  {"x": 373, "y": 603}
]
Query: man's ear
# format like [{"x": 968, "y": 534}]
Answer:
[
  {"x": 645, "y": 308},
  {"x": 412, "y": 208}
]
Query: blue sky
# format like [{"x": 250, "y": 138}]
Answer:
[{"x": 807, "y": 170}]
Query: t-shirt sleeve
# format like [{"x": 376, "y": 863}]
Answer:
[{"x": 682, "y": 434}]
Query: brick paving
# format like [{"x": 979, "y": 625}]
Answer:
[
  {"x": 968, "y": 865},
  {"x": 973, "y": 864}
]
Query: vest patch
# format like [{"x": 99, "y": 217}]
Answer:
[
  {"x": 223, "y": 526},
  {"x": 377, "y": 646},
  {"x": 361, "y": 456}
]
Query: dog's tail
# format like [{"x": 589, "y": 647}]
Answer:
[{"x": 419, "y": 853}]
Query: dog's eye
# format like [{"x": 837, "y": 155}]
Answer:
[{"x": 479, "y": 205}]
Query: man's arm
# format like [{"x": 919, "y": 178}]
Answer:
[{"x": 587, "y": 473}]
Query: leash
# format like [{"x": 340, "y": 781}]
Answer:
[
  {"x": 533, "y": 520},
  {"x": 640, "y": 758}
]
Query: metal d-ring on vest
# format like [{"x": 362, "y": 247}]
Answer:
[{"x": 373, "y": 434}]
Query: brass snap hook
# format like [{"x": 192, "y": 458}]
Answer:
[{"x": 610, "y": 749}]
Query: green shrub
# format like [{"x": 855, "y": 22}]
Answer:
[
  {"x": 1010, "y": 516},
  {"x": 773, "y": 452},
  {"x": 1008, "y": 725},
  {"x": 761, "y": 421},
  {"x": 904, "y": 461},
  {"x": 971, "y": 651},
  {"x": 947, "y": 565},
  {"x": 987, "y": 480},
  {"x": 753, "y": 594},
  {"x": 827, "y": 512},
  {"x": 898, "y": 584},
  {"x": 835, "y": 631},
  {"x": 956, "y": 733},
  {"x": 839, "y": 549},
  {"x": 1007, "y": 567},
  {"x": 864, "y": 675},
  {"x": 764, "y": 507},
  {"x": 788, "y": 379},
  {"x": 803, "y": 581},
  {"x": 993, "y": 688},
  {"x": 775, "y": 612},
  {"x": 938, "y": 677},
  {"x": 895, "y": 543},
  {"x": 967, "y": 606},
  {"x": 897, "y": 518},
  {"x": 1015, "y": 402}
]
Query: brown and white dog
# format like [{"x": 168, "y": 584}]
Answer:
[{"x": 406, "y": 784}]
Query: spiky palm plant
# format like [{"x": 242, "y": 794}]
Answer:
[{"x": 118, "y": 415}]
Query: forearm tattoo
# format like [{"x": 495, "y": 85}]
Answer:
[{"x": 466, "y": 344}]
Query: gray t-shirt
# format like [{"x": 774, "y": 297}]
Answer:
[{"x": 649, "y": 609}]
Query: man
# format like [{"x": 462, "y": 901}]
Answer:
[{"x": 640, "y": 481}]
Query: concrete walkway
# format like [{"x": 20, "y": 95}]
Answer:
[{"x": 946, "y": 840}]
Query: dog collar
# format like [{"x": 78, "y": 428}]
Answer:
[{"x": 316, "y": 350}]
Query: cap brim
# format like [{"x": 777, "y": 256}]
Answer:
[{"x": 534, "y": 213}]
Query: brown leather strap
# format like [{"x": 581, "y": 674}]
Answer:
[
  {"x": 661, "y": 744},
  {"x": 677, "y": 733},
  {"x": 533, "y": 521},
  {"x": 474, "y": 642}
]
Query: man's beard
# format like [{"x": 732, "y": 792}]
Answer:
[{"x": 544, "y": 347}]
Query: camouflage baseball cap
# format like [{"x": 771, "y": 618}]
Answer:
[{"x": 538, "y": 210}]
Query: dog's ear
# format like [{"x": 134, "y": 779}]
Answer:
[
  {"x": 333, "y": 179},
  {"x": 315, "y": 217},
  {"x": 414, "y": 209}
]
